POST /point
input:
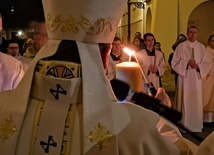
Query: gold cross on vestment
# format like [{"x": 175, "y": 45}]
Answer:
[
  {"x": 100, "y": 136},
  {"x": 7, "y": 127}
]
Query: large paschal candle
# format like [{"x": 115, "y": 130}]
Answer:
[{"x": 130, "y": 73}]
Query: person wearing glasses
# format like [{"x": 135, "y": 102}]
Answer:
[{"x": 13, "y": 50}]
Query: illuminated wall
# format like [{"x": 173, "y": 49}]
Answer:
[{"x": 168, "y": 18}]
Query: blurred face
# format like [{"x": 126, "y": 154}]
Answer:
[
  {"x": 157, "y": 46},
  {"x": 40, "y": 35},
  {"x": 138, "y": 35},
  {"x": 13, "y": 49},
  {"x": 117, "y": 47},
  {"x": 150, "y": 41},
  {"x": 136, "y": 42},
  {"x": 211, "y": 43},
  {"x": 192, "y": 34},
  {"x": 181, "y": 39}
]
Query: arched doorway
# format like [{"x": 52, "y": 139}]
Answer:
[{"x": 202, "y": 17}]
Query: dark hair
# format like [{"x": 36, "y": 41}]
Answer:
[
  {"x": 157, "y": 43},
  {"x": 178, "y": 41},
  {"x": 192, "y": 26},
  {"x": 137, "y": 33},
  {"x": 8, "y": 42},
  {"x": 210, "y": 37},
  {"x": 68, "y": 51},
  {"x": 181, "y": 35},
  {"x": 147, "y": 34},
  {"x": 117, "y": 39}
]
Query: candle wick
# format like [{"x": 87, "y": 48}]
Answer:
[{"x": 130, "y": 58}]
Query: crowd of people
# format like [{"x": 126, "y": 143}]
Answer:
[
  {"x": 192, "y": 65},
  {"x": 61, "y": 101},
  {"x": 12, "y": 49}
]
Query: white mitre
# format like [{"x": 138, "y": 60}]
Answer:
[
  {"x": 83, "y": 20},
  {"x": 88, "y": 22}
]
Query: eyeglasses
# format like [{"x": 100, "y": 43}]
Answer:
[{"x": 13, "y": 48}]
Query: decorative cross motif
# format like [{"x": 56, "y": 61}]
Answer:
[
  {"x": 7, "y": 127},
  {"x": 50, "y": 143},
  {"x": 100, "y": 136},
  {"x": 60, "y": 90}
]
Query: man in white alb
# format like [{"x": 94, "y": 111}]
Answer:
[
  {"x": 151, "y": 61},
  {"x": 191, "y": 63}
]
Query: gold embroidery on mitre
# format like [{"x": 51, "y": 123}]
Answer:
[
  {"x": 7, "y": 127},
  {"x": 71, "y": 25},
  {"x": 100, "y": 137}
]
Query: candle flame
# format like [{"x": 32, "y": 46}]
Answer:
[
  {"x": 129, "y": 51},
  {"x": 132, "y": 53}
]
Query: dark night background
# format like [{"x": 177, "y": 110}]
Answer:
[{"x": 24, "y": 12}]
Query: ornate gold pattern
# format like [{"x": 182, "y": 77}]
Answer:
[
  {"x": 60, "y": 69},
  {"x": 71, "y": 25},
  {"x": 100, "y": 136},
  {"x": 7, "y": 127}
]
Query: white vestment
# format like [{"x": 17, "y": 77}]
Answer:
[
  {"x": 208, "y": 89},
  {"x": 189, "y": 90},
  {"x": 38, "y": 117},
  {"x": 206, "y": 147},
  {"x": 25, "y": 62},
  {"x": 11, "y": 72},
  {"x": 147, "y": 61}
]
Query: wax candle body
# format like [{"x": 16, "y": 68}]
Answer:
[{"x": 130, "y": 73}]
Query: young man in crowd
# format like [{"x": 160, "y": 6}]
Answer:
[
  {"x": 152, "y": 61},
  {"x": 117, "y": 55},
  {"x": 13, "y": 50}
]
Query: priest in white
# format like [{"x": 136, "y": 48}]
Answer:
[
  {"x": 151, "y": 61},
  {"x": 192, "y": 63},
  {"x": 208, "y": 85}
]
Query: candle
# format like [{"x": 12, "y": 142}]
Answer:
[
  {"x": 154, "y": 59},
  {"x": 130, "y": 73},
  {"x": 132, "y": 53},
  {"x": 193, "y": 54}
]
